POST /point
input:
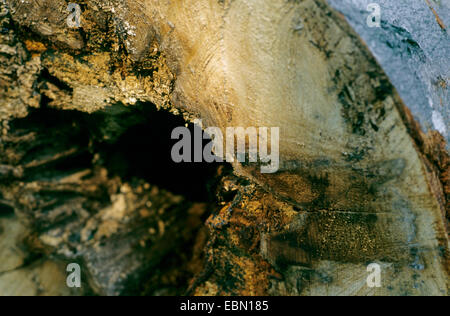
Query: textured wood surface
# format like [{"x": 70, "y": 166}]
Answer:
[{"x": 359, "y": 181}]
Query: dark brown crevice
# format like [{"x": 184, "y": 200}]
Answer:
[
  {"x": 133, "y": 145},
  {"x": 6, "y": 209},
  {"x": 143, "y": 150}
]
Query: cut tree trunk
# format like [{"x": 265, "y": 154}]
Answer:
[{"x": 359, "y": 182}]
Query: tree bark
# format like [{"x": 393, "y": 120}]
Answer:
[{"x": 360, "y": 181}]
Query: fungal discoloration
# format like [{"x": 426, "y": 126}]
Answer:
[{"x": 357, "y": 181}]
